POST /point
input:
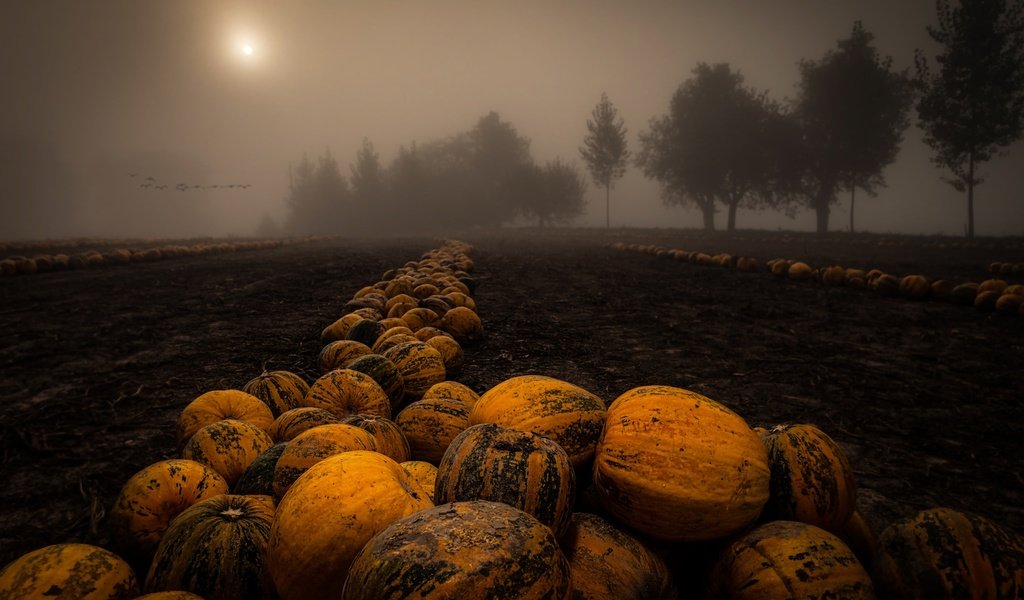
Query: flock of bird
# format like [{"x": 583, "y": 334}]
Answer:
[{"x": 152, "y": 184}]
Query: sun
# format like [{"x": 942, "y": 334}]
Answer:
[{"x": 247, "y": 49}]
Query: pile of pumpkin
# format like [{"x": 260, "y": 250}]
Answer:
[
  {"x": 990, "y": 295},
  {"x": 89, "y": 259}
]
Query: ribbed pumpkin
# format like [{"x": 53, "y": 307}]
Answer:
[
  {"x": 787, "y": 559},
  {"x": 314, "y": 445},
  {"x": 280, "y": 390},
  {"x": 72, "y": 571},
  {"x": 833, "y": 275},
  {"x": 418, "y": 318},
  {"x": 391, "y": 331},
  {"x": 385, "y": 373},
  {"x": 155, "y": 495},
  {"x": 228, "y": 447},
  {"x": 297, "y": 420},
  {"x": 519, "y": 468},
  {"x": 885, "y": 285},
  {"x": 426, "y": 333},
  {"x": 431, "y": 424},
  {"x": 461, "y": 550},
  {"x": 942, "y": 553},
  {"x": 421, "y": 366},
  {"x": 392, "y": 323},
  {"x": 915, "y": 287},
  {"x": 609, "y": 564},
  {"x": 1009, "y": 303},
  {"x": 965, "y": 293},
  {"x": 337, "y": 355},
  {"x": 451, "y": 354},
  {"x": 386, "y": 343},
  {"x": 464, "y": 325},
  {"x": 423, "y": 473},
  {"x": 811, "y": 478},
  {"x": 564, "y": 412},
  {"x": 799, "y": 271},
  {"x": 452, "y": 390},
  {"x": 365, "y": 332},
  {"x": 993, "y": 285},
  {"x": 329, "y": 514},
  {"x": 258, "y": 479},
  {"x": 217, "y": 549},
  {"x": 675, "y": 465},
  {"x": 218, "y": 405},
  {"x": 339, "y": 329},
  {"x": 346, "y": 392},
  {"x": 399, "y": 299},
  {"x": 397, "y": 311},
  {"x": 388, "y": 436},
  {"x": 458, "y": 298},
  {"x": 858, "y": 535},
  {"x": 986, "y": 300}
]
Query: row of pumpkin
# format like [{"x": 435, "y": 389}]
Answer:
[
  {"x": 989, "y": 295},
  {"x": 535, "y": 489},
  {"x": 90, "y": 259}
]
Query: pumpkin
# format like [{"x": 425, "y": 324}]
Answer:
[
  {"x": 368, "y": 313},
  {"x": 329, "y": 514},
  {"x": 856, "y": 274},
  {"x": 426, "y": 333},
  {"x": 608, "y": 563},
  {"x": 390, "y": 441},
  {"x": 811, "y": 478},
  {"x": 418, "y": 318},
  {"x": 885, "y": 285},
  {"x": 385, "y": 373},
  {"x": 155, "y": 495},
  {"x": 217, "y": 549},
  {"x": 452, "y": 390},
  {"x": 833, "y": 275},
  {"x": 461, "y": 550},
  {"x": 399, "y": 299},
  {"x": 1016, "y": 289},
  {"x": 228, "y": 447},
  {"x": 747, "y": 264},
  {"x": 519, "y": 468},
  {"x": 992, "y": 285},
  {"x": 678, "y": 466},
  {"x": 965, "y": 293},
  {"x": 280, "y": 390},
  {"x": 463, "y": 324},
  {"x": 451, "y": 354},
  {"x": 986, "y": 300},
  {"x": 218, "y": 405},
  {"x": 399, "y": 330},
  {"x": 421, "y": 366},
  {"x": 397, "y": 311},
  {"x": 423, "y": 473},
  {"x": 346, "y": 392},
  {"x": 1008, "y": 304},
  {"x": 73, "y": 571},
  {"x": 915, "y": 287},
  {"x": 386, "y": 343},
  {"x": 337, "y": 355},
  {"x": 391, "y": 323},
  {"x": 365, "y": 332},
  {"x": 398, "y": 286},
  {"x": 943, "y": 553},
  {"x": 425, "y": 290},
  {"x": 787, "y": 559},
  {"x": 858, "y": 535},
  {"x": 942, "y": 290},
  {"x": 780, "y": 267},
  {"x": 458, "y": 299},
  {"x": 568, "y": 414},
  {"x": 339, "y": 329},
  {"x": 431, "y": 424},
  {"x": 293, "y": 422},
  {"x": 258, "y": 479},
  {"x": 314, "y": 445}
]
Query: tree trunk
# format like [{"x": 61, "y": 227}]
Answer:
[
  {"x": 853, "y": 192},
  {"x": 732, "y": 215},
  {"x": 970, "y": 197},
  {"x": 709, "y": 217},
  {"x": 608, "y": 206},
  {"x": 823, "y": 211}
]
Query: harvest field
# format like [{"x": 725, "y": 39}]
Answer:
[{"x": 925, "y": 397}]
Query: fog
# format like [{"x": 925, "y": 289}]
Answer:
[{"x": 99, "y": 96}]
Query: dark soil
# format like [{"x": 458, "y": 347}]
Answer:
[{"x": 925, "y": 397}]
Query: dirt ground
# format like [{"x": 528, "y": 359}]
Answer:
[{"x": 926, "y": 398}]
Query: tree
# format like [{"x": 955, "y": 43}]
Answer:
[
  {"x": 852, "y": 109},
  {"x": 550, "y": 193},
  {"x": 317, "y": 196},
  {"x": 604, "y": 149},
  {"x": 496, "y": 151},
  {"x": 367, "y": 177},
  {"x": 714, "y": 145},
  {"x": 974, "y": 105}
]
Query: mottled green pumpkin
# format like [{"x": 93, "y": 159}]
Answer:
[
  {"x": 385, "y": 373},
  {"x": 258, "y": 479},
  {"x": 314, "y": 445},
  {"x": 423, "y": 473},
  {"x": 228, "y": 447},
  {"x": 217, "y": 549},
  {"x": 365, "y": 332},
  {"x": 431, "y": 424},
  {"x": 346, "y": 392},
  {"x": 421, "y": 366},
  {"x": 68, "y": 571},
  {"x": 279, "y": 390},
  {"x": 217, "y": 405},
  {"x": 388, "y": 436},
  {"x": 337, "y": 355},
  {"x": 461, "y": 550},
  {"x": 297, "y": 420}
]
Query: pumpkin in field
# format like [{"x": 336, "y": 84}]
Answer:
[
  {"x": 346, "y": 392},
  {"x": 399, "y": 299},
  {"x": 885, "y": 285},
  {"x": 463, "y": 324},
  {"x": 942, "y": 290},
  {"x": 311, "y": 447},
  {"x": 608, "y": 563},
  {"x": 1008, "y": 304},
  {"x": 339, "y": 329},
  {"x": 431, "y": 424},
  {"x": 965, "y": 293},
  {"x": 568, "y": 414},
  {"x": 811, "y": 478},
  {"x": 677, "y": 466},
  {"x": 397, "y": 311},
  {"x": 423, "y": 473},
  {"x": 915, "y": 287},
  {"x": 391, "y": 331},
  {"x": 521, "y": 469},
  {"x": 228, "y": 447},
  {"x": 986, "y": 300},
  {"x": 780, "y": 267},
  {"x": 390, "y": 441},
  {"x": 421, "y": 366},
  {"x": 943, "y": 553},
  {"x": 833, "y": 275},
  {"x": 73, "y": 571},
  {"x": 1016, "y": 289},
  {"x": 451, "y": 354},
  {"x": 858, "y": 535},
  {"x": 992, "y": 285},
  {"x": 458, "y": 299},
  {"x": 386, "y": 343},
  {"x": 155, "y": 495},
  {"x": 337, "y": 355},
  {"x": 418, "y": 318},
  {"x": 258, "y": 479},
  {"x": 429, "y": 332},
  {"x": 787, "y": 559},
  {"x": 385, "y": 373},
  {"x": 218, "y": 405},
  {"x": 747, "y": 264},
  {"x": 425, "y": 290},
  {"x": 452, "y": 390},
  {"x": 217, "y": 549},
  {"x": 365, "y": 332},
  {"x": 329, "y": 514},
  {"x": 456, "y": 551},
  {"x": 391, "y": 323},
  {"x": 398, "y": 286},
  {"x": 280, "y": 390},
  {"x": 293, "y": 422}
]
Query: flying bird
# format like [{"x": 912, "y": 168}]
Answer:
[
  {"x": 132, "y": 175},
  {"x": 151, "y": 179}
]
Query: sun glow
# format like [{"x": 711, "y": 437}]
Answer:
[{"x": 247, "y": 50}]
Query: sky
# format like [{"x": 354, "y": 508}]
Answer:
[{"x": 163, "y": 89}]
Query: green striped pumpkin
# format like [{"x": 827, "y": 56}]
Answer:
[
  {"x": 421, "y": 366},
  {"x": 365, "y": 332},
  {"x": 297, "y": 420},
  {"x": 390, "y": 440},
  {"x": 337, "y": 355},
  {"x": 68, "y": 571},
  {"x": 280, "y": 390},
  {"x": 258, "y": 479},
  {"x": 385, "y": 373}
]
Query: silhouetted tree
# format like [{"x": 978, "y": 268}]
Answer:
[
  {"x": 715, "y": 144},
  {"x": 317, "y": 196},
  {"x": 604, "y": 149},
  {"x": 852, "y": 109},
  {"x": 497, "y": 150},
  {"x": 974, "y": 105},
  {"x": 367, "y": 176},
  {"x": 552, "y": 193}
]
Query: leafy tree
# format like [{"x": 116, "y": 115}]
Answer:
[
  {"x": 604, "y": 149},
  {"x": 852, "y": 109},
  {"x": 317, "y": 196},
  {"x": 552, "y": 193},
  {"x": 974, "y": 105},
  {"x": 496, "y": 151},
  {"x": 367, "y": 176},
  {"x": 714, "y": 145}
]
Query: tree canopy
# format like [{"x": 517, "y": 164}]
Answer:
[{"x": 604, "y": 149}]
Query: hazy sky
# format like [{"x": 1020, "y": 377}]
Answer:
[{"x": 163, "y": 89}]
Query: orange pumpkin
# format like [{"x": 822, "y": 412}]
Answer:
[
  {"x": 68, "y": 571},
  {"x": 386, "y": 343},
  {"x": 915, "y": 287},
  {"x": 423, "y": 473},
  {"x": 463, "y": 324},
  {"x": 228, "y": 447},
  {"x": 833, "y": 275},
  {"x": 421, "y": 366},
  {"x": 390, "y": 441},
  {"x": 1009, "y": 304},
  {"x": 942, "y": 290},
  {"x": 799, "y": 271},
  {"x": 993, "y": 285},
  {"x": 314, "y": 445},
  {"x": 345, "y": 392},
  {"x": 858, "y": 535},
  {"x": 337, "y": 355},
  {"x": 280, "y": 390},
  {"x": 339, "y": 329},
  {"x": 965, "y": 293},
  {"x": 293, "y": 422},
  {"x": 219, "y": 405},
  {"x": 451, "y": 354},
  {"x": 458, "y": 298},
  {"x": 431, "y": 424},
  {"x": 452, "y": 390},
  {"x": 385, "y": 373}
]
